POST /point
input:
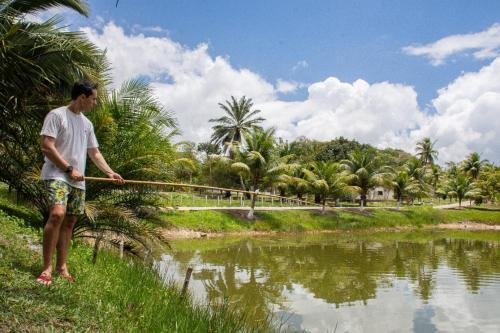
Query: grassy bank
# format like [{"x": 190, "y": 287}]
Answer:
[
  {"x": 111, "y": 296},
  {"x": 296, "y": 221}
]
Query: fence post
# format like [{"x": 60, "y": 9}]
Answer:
[
  {"x": 122, "y": 245},
  {"x": 186, "y": 280}
]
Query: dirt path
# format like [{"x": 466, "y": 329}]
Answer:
[{"x": 468, "y": 225}]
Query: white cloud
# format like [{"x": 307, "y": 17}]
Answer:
[
  {"x": 300, "y": 64},
  {"x": 375, "y": 113},
  {"x": 468, "y": 116},
  {"x": 287, "y": 87},
  {"x": 486, "y": 45},
  {"x": 191, "y": 82},
  {"x": 140, "y": 28},
  {"x": 70, "y": 16}
]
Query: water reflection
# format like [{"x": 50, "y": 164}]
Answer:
[{"x": 377, "y": 283}]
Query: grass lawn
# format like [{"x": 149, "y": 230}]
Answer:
[{"x": 296, "y": 221}]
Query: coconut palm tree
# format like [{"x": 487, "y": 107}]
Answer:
[
  {"x": 256, "y": 160},
  {"x": 473, "y": 165},
  {"x": 416, "y": 170},
  {"x": 363, "y": 172},
  {"x": 238, "y": 120},
  {"x": 435, "y": 175},
  {"x": 426, "y": 152},
  {"x": 461, "y": 187},
  {"x": 404, "y": 185},
  {"x": 326, "y": 179}
]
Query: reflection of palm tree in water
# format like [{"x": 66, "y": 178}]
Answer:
[
  {"x": 341, "y": 271},
  {"x": 252, "y": 296}
]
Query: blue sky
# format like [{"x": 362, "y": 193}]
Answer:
[
  {"x": 382, "y": 72},
  {"x": 347, "y": 39}
]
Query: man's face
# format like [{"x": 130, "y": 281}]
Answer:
[{"x": 87, "y": 103}]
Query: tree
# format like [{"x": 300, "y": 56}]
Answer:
[
  {"x": 417, "y": 171},
  {"x": 238, "y": 120},
  {"x": 40, "y": 62},
  {"x": 426, "y": 152},
  {"x": 208, "y": 149},
  {"x": 404, "y": 185},
  {"x": 326, "y": 179},
  {"x": 338, "y": 149},
  {"x": 363, "y": 172},
  {"x": 461, "y": 187},
  {"x": 488, "y": 182},
  {"x": 134, "y": 132},
  {"x": 473, "y": 165},
  {"x": 255, "y": 160}
]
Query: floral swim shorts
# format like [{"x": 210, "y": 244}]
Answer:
[{"x": 61, "y": 193}]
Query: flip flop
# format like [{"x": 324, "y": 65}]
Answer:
[{"x": 44, "y": 279}]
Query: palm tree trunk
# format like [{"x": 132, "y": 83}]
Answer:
[
  {"x": 251, "y": 215},
  {"x": 317, "y": 198},
  {"x": 282, "y": 194},
  {"x": 96, "y": 246},
  {"x": 363, "y": 200},
  {"x": 399, "y": 203},
  {"x": 323, "y": 208}
]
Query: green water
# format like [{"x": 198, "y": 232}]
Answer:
[{"x": 383, "y": 282}]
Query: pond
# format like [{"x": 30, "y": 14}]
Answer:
[{"x": 354, "y": 282}]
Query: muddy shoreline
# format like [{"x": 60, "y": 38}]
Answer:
[{"x": 191, "y": 234}]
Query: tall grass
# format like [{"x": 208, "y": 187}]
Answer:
[
  {"x": 111, "y": 296},
  {"x": 299, "y": 220}
]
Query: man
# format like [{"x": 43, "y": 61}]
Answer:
[{"x": 67, "y": 137}]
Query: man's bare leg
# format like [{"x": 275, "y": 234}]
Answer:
[
  {"x": 51, "y": 236},
  {"x": 65, "y": 235}
]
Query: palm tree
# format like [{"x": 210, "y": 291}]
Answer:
[
  {"x": 326, "y": 179},
  {"x": 404, "y": 185},
  {"x": 473, "y": 165},
  {"x": 134, "y": 132},
  {"x": 40, "y": 63},
  {"x": 435, "y": 175},
  {"x": 255, "y": 160},
  {"x": 239, "y": 120},
  {"x": 461, "y": 187},
  {"x": 363, "y": 172},
  {"x": 426, "y": 152},
  {"x": 416, "y": 170}
]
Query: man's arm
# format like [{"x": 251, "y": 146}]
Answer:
[
  {"x": 96, "y": 157},
  {"x": 49, "y": 150}
]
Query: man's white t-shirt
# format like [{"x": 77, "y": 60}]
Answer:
[{"x": 74, "y": 134}]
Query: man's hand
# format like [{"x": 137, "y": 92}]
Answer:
[
  {"x": 76, "y": 175},
  {"x": 116, "y": 177}
]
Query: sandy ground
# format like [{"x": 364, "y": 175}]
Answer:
[{"x": 468, "y": 225}]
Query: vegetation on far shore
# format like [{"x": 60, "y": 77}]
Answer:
[{"x": 348, "y": 219}]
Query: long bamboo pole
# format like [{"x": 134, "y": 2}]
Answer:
[{"x": 167, "y": 184}]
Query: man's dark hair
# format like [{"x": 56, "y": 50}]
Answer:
[{"x": 82, "y": 87}]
